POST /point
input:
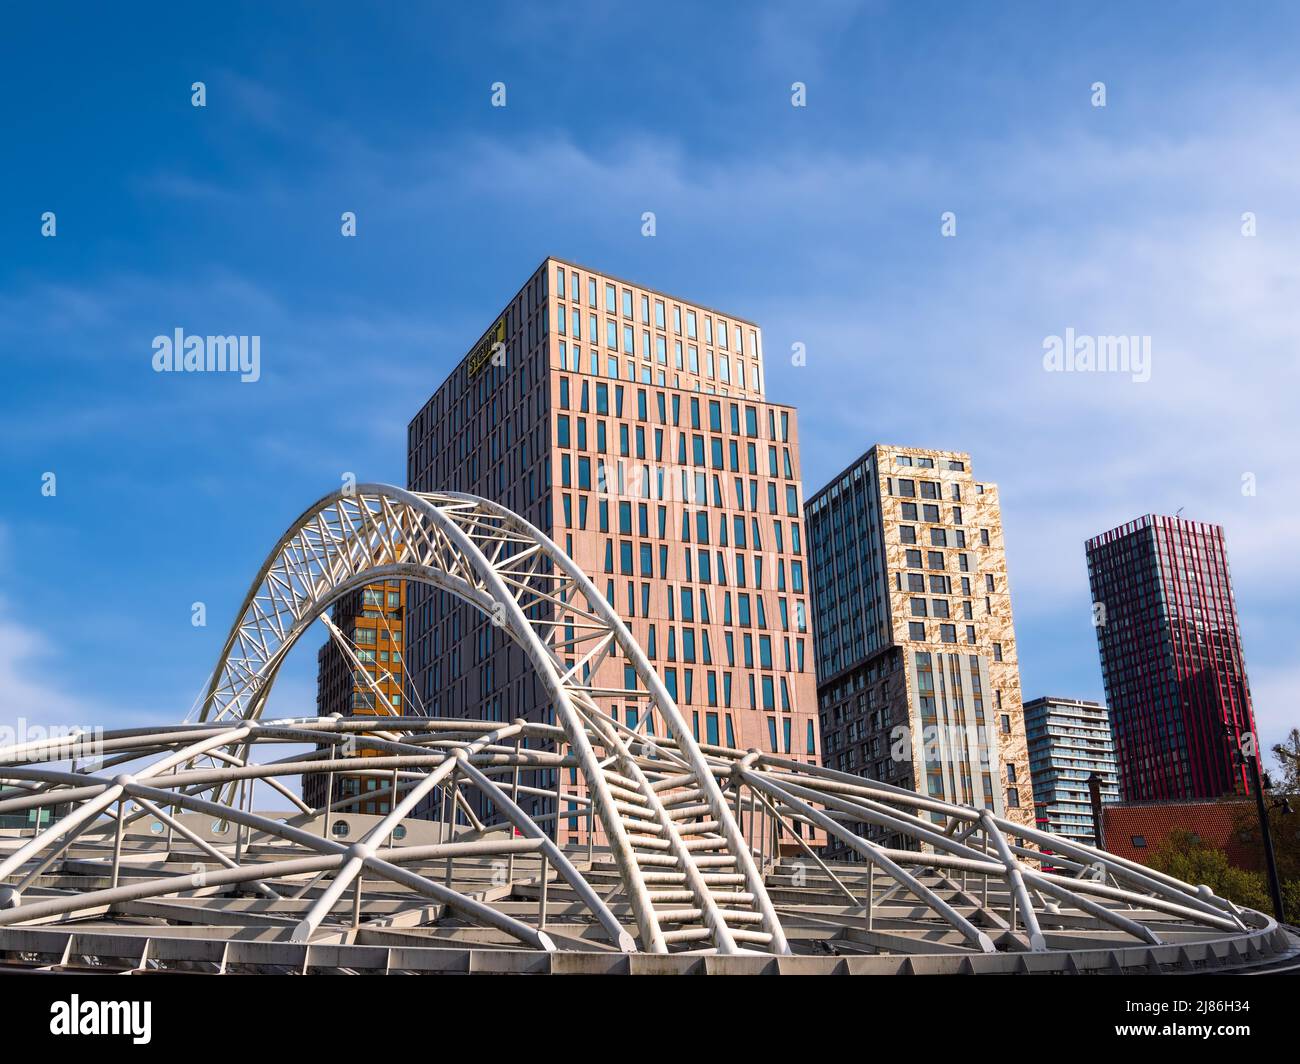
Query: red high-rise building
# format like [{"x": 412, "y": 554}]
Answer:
[{"x": 1171, "y": 658}]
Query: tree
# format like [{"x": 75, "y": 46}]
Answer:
[
  {"x": 1183, "y": 856},
  {"x": 1287, "y": 755},
  {"x": 1285, "y": 829}
]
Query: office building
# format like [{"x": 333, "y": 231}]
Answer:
[
  {"x": 917, "y": 675},
  {"x": 1069, "y": 740},
  {"x": 631, "y": 427},
  {"x": 371, "y": 619},
  {"x": 1171, "y": 658}
]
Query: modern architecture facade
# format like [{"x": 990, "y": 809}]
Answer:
[
  {"x": 632, "y": 428},
  {"x": 372, "y": 622},
  {"x": 1171, "y": 658},
  {"x": 1069, "y": 740},
  {"x": 918, "y": 682}
]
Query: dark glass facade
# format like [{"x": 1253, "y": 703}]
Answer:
[{"x": 1171, "y": 658}]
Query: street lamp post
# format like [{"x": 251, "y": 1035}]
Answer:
[{"x": 1261, "y": 807}]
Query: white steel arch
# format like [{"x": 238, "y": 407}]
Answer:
[{"x": 680, "y": 849}]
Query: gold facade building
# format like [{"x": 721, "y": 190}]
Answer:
[{"x": 918, "y": 681}]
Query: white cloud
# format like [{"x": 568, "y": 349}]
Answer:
[
  {"x": 1273, "y": 692},
  {"x": 29, "y": 692}
]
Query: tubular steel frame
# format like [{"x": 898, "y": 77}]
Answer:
[{"x": 702, "y": 854}]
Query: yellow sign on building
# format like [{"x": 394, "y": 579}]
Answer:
[{"x": 487, "y": 347}]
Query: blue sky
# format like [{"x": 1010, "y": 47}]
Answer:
[{"x": 821, "y": 223}]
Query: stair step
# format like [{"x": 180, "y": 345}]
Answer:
[
  {"x": 740, "y": 916},
  {"x": 687, "y": 934},
  {"x": 658, "y": 860},
  {"x": 682, "y": 779},
  {"x": 684, "y": 798},
  {"x": 623, "y": 794},
  {"x": 710, "y": 878},
  {"x": 679, "y": 916},
  {"x": 630, "y": 811},
  {"x": 686, "y": 811}
]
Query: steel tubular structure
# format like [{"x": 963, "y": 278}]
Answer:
[{"x": 154, "y": 856}]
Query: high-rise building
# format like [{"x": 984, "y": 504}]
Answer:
[
  {"x": 631, "y": 427},
  {"x": 1171, "y": 658},
  {"x": 917, "y": 676},
  {"x": 371, "y": 622},
  {"x": 1069, "y": 739}
]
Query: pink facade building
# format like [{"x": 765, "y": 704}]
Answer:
[{"x": 631, "y": 427}]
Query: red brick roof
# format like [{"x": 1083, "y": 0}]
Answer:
[{"x": 1127, "y": 824}]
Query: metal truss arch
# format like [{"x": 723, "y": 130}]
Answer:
[{"x": 491, "y": 558}]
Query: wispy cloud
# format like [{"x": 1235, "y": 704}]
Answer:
[{"x": 31, "y": 693}]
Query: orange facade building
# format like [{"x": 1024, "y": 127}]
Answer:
[{"x": 372, "y": 619}]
